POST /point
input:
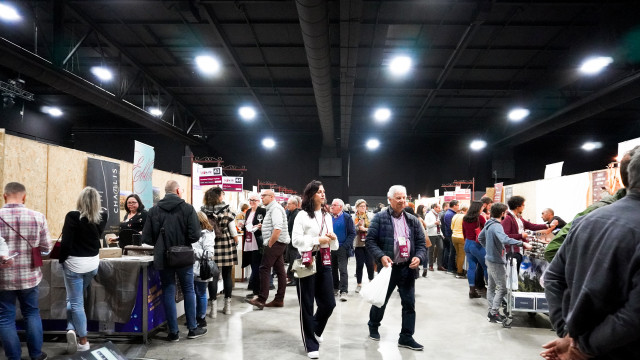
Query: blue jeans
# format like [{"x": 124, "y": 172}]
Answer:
[
  {"x": 475, "y": 256},
  {"x": 201, "y": 298},
  {"x": 29, "y": 306},
  {"x": 447, "y": 245},
  {"x": 168, "y": 279},
  {"x": 76, "y": 284},
  {"x": 404, "y": 278}
]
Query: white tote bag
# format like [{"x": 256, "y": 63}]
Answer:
[{"x": 375, "y": 291}]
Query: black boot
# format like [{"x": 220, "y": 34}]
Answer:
[{"x": 473, "y": 294}]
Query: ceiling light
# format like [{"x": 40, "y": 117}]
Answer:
[
  {"x": 102, "y": 73},
  {"x": 247, "y": 112},
  {"x": 9, "y": 13},
  {"x": 55, "y": 112},
  {"x": 382, "y": 114},
  {"x": 268, "y": 143},
  {"x": 591, "y": 145},
  {"x": 594, "y": 65},
  {"x": 208, "y": 64},
  {"x": 155, "y": 111},
  {"x": 518, "y": 114},
  {"x": 477, "y": 145},
  {"x": 400, "y": 65},
  {"x": 373, "y": 144}
]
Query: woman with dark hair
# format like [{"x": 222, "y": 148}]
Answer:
[
  {"x": 313, "y": 233},
  {"x": 486, "y": 207},
  {"x": 135, "y": 216},
  {"x": 79, "y": 256},
  {"x": 475, "y": 252},
  {"x": 363, "y": 258},
  {"x": 222, "y": 220}
]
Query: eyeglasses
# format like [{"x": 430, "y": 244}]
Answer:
[
  {"x": 263, "y": 195},
  {"x": 253, "y": 200},
  {"x": 131, "y": 202}
]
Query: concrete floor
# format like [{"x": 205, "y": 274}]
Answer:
[{"x": 449, "y": 325}]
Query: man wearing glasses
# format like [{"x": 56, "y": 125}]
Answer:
[{"x": 275, "y": 236}]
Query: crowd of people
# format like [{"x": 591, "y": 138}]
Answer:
[{"x": 594, "y": 275}]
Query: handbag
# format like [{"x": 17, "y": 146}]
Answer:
[
  {"x": 36, "y": 256},
  {"x": 208, "y": 268},
  {"x": 301, "y": 271},
  {"x": 55, "y": 252},
  {"x": 177, "y": 256}
]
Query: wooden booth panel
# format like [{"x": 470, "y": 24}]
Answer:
[
  {"x": 2, "y": 147},
  {"x": 160, "y": 178},
  {"x": 25, "y": 161},
  {"x": 67, "y": 173}
]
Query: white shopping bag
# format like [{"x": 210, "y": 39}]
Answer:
[
  {"x": 375, "y": 291},
  {"x": 513, "y": 277}
]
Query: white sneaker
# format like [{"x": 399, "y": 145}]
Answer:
[
  {"x": 319, "y": 338},
  {"x": 314, "y": 354},
  {"x": 84, "y": 347},
  {"x": 343, "y": 296},
  {"x": 72, "y": 342},
  {"x": 358, "y": 288}
]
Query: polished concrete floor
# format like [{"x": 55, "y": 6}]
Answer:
[{"x": 449, "y": 325}]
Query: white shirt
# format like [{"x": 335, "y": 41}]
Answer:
[
  {"x": 253, "y": 245},
  {"x": 306, "y": 231},
  {"x": 519, "y": 221},
  {"x": 82, "y": 264},
  {"x": 432, "y": 229}
]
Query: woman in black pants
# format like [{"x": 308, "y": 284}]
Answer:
[
  {"x": 313, "y": 233},
  {"x": 363, "y": 258}
]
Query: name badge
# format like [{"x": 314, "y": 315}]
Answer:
[
  {"x": 326, "y": 256},
  {"x": 306, "y": 258},
  {"x": 248, "y": 237},
  {"x": 402, "y": 247}
]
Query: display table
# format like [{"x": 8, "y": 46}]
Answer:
[{"x": 125, "y": 298}]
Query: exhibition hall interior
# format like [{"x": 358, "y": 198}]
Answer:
[{"x": 468, "y": 103}]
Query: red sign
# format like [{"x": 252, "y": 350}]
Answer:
[
  {"x": 497, "y": 196},
  {"x": 449, "y": 195},
  {"x": 232, "y": 183},
  {"x": 210, "y": 176}
]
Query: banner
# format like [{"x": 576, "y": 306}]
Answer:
[
  {"x": 463, "y": 194},
  {"x": 211, "y": 176},
  {"x": 232, "y": 183},
  {"x": 143, "y": 160},
  {"x": 497, "y": 196},
  {"x": 105, "y": 177},
  {"x": 449, "y": 195},
  {"x": 599, "y": 181},
  {"x": 508, "y": 193}
]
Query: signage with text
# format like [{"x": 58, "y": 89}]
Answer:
[
  {"x": 232, "y": 183},
  {"x": 463, "y": 194},
  {"x": 497, "y": 196},
  {"x": 211, "y": 176},
  {"x": 449, "y": 195}
]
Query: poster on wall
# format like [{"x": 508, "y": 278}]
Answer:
[
  {"x": 599, "y": 183},
  {"x": 497, "y": 195},
  {"x": 210, "y": 176},
  {"x": 143, "y": 160},
  {"x": 105, "y": 177},
  {"x": 508, "y": 193},
  {"x": 232, "y": 183},
  {"x": 449, "y": 195},
  {"x": 463, "y": 194}
]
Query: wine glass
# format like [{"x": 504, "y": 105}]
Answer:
[{"x": 260, "y": 218}]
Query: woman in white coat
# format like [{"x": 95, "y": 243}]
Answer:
[
  {"x": 313, "y": 232},
  {"x": 205, "y": 244}
]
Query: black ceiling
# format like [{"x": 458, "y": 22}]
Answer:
[{"x": 318, "y": 67}]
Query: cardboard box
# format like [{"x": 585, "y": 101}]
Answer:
[{"x": 106, "y": 253}]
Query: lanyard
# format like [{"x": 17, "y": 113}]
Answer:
[
  {"x": 321, "y": 226},
  {"x": 398, "y": 231}
]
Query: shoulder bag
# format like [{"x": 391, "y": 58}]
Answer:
[
  {"x": 176, "y": 256},
  {"x": 208, "y": 268},
  {"x": 55, "y": 252},
  {"x": 36, "y": 256}
]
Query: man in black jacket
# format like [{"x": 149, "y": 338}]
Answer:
[
  {"x": 181, "y": 227},
  {"x": 293, "y": 208},
  {"x": 593, "y": 283}
]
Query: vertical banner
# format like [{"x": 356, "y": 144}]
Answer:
[
  {"x": 105, "y": 177},
  {"x": 143, "y": 160},
  {"x": 497, "y": 195},
  {"x": 599, "y": 181},
  {"x": 508, "y": 193}
]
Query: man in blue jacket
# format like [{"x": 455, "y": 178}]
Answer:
[
  {"x": 493, "y": 239},
  {"x": 396, "y": 238},
  {"x": 345, "y": 230},
  {"x": 449, "y": 255}
]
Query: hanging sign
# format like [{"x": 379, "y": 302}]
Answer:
[
  {"x": 232, "y": 183},
  {"x": 497, "y": 195},
  {"x": 449, "y": 195},
  {"x": 211, "y": 176}
]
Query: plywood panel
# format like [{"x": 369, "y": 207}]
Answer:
[
  {"x": 26, "y": 162},
  {"x": 2, "y": 180},
  {"x": 160, "y": 178},
  {"x": 67, "y": 173}
]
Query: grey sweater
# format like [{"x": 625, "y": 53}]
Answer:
[{"x": 493, "y": 239}]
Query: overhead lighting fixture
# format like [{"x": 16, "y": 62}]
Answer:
[
  {"x": 155, "y": 111},
  {"x": 9, "y": 13},
  {"x": 373, "y": 144},
  {"x": 477, "y": 145},
  {"x": 400, "y": 65},
  {"x": 53, "y": 111},
  {"x": 207, "y": 64},
  {"x": 591, "y": 145},
  {"x": 247, "y": 112},
  {"x": 102, "y": 73},
  {"x": 518, "y": 114},
  {"x": 268, "y": 143},
  {"x": 595, "y": 65},
  {"x": 382, "y": 114}
]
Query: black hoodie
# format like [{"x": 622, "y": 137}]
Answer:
[{"x": 180, "y": 224}]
